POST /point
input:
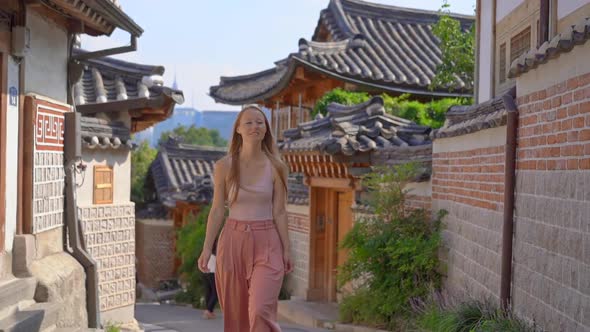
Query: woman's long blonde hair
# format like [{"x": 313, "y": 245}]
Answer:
[{"x": 268, "y": 147}]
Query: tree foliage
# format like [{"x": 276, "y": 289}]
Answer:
[
  {"x": 195, "y": 136},
  {"x": 458, "y": 52},
  {"x": 141, "y": 159},
  {"x": 392, "y": 254}
]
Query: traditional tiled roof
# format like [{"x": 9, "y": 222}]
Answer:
[
  {"x": 561, "y": 43},
  {"x": 99, "y": 16},
  {"x": 349, "y": 130},
  {"x": 108, "y": 84},
  {"x": 377, "y": 46},
  {"x": 462, "y": 120},
  {"x": 153, "y": 211},
  {"x": 182, "y": 172},
  {"x": 103, "y": 134}
]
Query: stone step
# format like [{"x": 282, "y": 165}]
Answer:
[
  {"x": 36, "y": 317},
  {"x": 13, "y": 292}
]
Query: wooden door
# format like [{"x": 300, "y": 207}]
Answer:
[{"x": 344, "y": 221}]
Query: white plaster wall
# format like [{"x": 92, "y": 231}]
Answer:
[
  {"x": 566, "y": 7},
  {"x": 119, "y": 160},
  {"x": 11, "y": 155},
  {"x": 479, "y": 140},
  {"x": 484, "y": 91},
  {"x": 562, "y": 68},
  {"x": 46, "y": 62},
  {"x": 504, "y": 7}
]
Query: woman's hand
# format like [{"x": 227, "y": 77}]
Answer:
[
  {"x": 203, "y": 260},
  {"x": 288, "y": 263}
]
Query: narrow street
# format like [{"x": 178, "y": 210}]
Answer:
[{"x": 173, "y": 318}]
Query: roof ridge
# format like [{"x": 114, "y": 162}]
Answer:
[
  {"x": 118, "y": 64},
  {"x": 381, "y": 6}
]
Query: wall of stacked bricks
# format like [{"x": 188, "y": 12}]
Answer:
[
  {"x": 468, "y": 183},
  {"x": 155, "y": 251},
  {"x": 419, "y": 202},
  {"x": 552, "y": 229},
  {"x": 298, "y": 280}
]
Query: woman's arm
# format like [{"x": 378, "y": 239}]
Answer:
[
  {"x": 279, "y": 211},
  {"x": 216, "y": 214}
]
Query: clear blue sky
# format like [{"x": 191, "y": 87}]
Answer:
[{"x": 202, "y": 40}]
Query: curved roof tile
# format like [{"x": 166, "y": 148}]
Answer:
[{"x": 348, "y": 130}]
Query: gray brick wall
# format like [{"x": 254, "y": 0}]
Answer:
[
  {"x": 298, "y": 280},
  {"x": 551, "y": 282}
]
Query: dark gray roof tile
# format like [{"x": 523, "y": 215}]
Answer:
[{"x": 349, "y": 130}]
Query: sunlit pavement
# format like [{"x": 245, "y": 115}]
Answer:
[{"x": 172, "y": 318}]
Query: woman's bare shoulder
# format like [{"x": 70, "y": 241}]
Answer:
[{"x": 223, "y": 165}]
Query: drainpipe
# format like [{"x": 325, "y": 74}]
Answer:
[
  {"x": 509, "y": 179},
  {"x": 72, "y": 153}
]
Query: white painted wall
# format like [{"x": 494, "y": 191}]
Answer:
[
  {"x": 566, "y": 7},
  {"x": 485, "y": 75},
  {"x": 11, "y": 154},
  {"x": 504, "y": 7},
  {"x": 46, "y": 62},
  {"x": 119, "y": 160}
]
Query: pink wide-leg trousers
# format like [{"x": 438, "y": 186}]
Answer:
[{"x": 249, "y": 275}]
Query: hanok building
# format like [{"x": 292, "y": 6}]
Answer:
[
  {"x": 47, "y": 278},
  {"x": 356, "y": 45},
  {"x": 115, "y": 99},
  {"x": 332, "y": 153},
  {"x": 178, "y": 185}
]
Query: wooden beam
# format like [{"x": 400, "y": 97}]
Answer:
[{"x": 322, "y": 182}]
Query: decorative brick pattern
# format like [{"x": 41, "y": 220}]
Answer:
[
  {"x": 48, "y": 191},
  {"x": 298, "y": 280},
  {"x": 298, "y": 222},
  {"x": 551, "y": 281},
  {"x": 109, "y": 234},
  {"x": 472, "y": 177},
  {"x": 155, "y": 251}
]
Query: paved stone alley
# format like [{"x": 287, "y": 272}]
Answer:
[{"x": 173, "y": 318}]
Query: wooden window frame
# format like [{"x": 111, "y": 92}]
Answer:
[
  {"x": 95, "y": 187},
  {"x": 502, "y": 64},
  {"x": 516, "y": 42}
]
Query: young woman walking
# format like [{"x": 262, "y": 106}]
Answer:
[{"x": 253, "y": 252}]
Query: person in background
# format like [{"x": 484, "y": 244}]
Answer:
[{"x": 210, "y": 289}]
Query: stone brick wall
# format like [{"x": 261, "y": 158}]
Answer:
[
  {"x": 298, "y": 280},
  {"x": 467, "y": 181},
  {"x": 551, "y": 277},
  {"x": 155, "y": 251},
  {"x": 419, "y": 202}
]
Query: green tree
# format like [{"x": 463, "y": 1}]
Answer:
[
  {"x": 339, "y": 96},
  {"x": 195, "y": 136},
  {"x": 458, "y": 52},
  {"x": 141, "y": 159}
]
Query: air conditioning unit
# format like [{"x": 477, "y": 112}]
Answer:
[{"x": 21, "y": 41}]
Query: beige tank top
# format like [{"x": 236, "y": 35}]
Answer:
[{"x": 254, "y": 201}]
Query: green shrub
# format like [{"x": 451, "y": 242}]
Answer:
[
  {"x": 392, "y": 254},
  {"x": 471, "y": 316},
  {"x": 188, "y": 248},
  {"x": 339, "y": 96}
]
